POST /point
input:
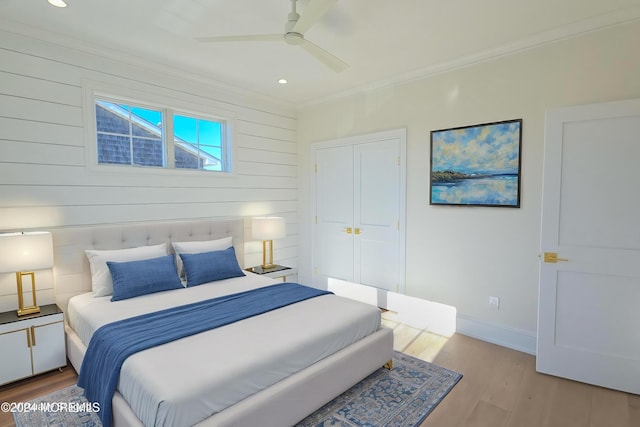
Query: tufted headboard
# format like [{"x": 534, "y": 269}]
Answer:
[{"x": 71, "y": 273}]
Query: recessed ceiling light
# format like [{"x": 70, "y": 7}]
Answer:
[
  {"x": 282, "y": 81},
  {"x": 58, "y": 3}
]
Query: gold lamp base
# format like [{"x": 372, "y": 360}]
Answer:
[
  {"x": 267, "y": 264},
  {"x": 22, "y": 310},
  {"x": 28, "y": 310}
]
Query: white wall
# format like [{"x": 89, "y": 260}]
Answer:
[
  {"x": 44, "y": 178},
  {"x": 460, "y": 255}
]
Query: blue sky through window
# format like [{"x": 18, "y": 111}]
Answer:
[
  {"x": 152, "y": 116},
  {"x": 195, "y": 131},
  {"x": 204, "y": 134},
  {"x": 198, "y": 143}
]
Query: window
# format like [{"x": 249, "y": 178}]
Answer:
[
  {"x": 198, "y": 143},
  {"x": 129, "y": 135},
  {"x": 143, "y": 135}
]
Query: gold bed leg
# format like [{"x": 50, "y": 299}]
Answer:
[{"x": 389, "y": 365}]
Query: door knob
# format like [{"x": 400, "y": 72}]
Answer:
[
  {"x": 348, "y": 230},
  {"x": 552, "y": 257}
]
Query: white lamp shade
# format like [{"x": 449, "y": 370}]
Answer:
[
  {"x": 268, "y": 228},
  {"x": 25, "y": 251}
]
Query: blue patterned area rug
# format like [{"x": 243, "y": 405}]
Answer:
[
  {"x": 402, "y": 397},
  {"x": 62, "y": 408}
]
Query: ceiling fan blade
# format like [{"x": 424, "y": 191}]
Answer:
[
  {"x": 246, "y": 38},
  {"x": 312, "y": 14},
  {"x": 331, "y": 61}
]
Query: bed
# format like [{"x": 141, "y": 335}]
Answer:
[{"x": 268, "y": 370}]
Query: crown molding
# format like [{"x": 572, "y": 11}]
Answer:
[
  {"x": 576, "y": 29},
  {"x": 260, "y": 101}
]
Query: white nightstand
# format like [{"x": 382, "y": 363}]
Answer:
[
  {"x": 31, "y": 344},
  {"x": 274, "y": 272}
]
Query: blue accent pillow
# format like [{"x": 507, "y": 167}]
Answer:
[
  {"x": 135, "y": 278},
  {"x": 211, "y": 266}
]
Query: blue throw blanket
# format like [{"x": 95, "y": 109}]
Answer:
[{"x": 111, "y": 344}]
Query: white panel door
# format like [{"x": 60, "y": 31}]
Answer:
[
  {"x": 359, "y": 212},
  {"x": 589, "y": 302},
  {"x": 376, "y": 214},
  {"x": 334, "y": 213}
]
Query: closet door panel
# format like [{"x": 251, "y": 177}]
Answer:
[
  {"x": 334, "y": 213},
  {"x": 376, "y": 213}
]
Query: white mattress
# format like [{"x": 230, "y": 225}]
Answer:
[{"x": 186, "y": 381}]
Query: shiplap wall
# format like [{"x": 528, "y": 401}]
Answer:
[{"x": 45, "y": 178}]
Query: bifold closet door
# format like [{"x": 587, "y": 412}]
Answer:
[
  {"x": 334, "y": 213},
  {"x": 376, "y": 214},
  {"x": 358, "y": 213}
]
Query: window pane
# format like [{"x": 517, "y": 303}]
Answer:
[
  {"x": 185, "y": 159},
  {"x": 123, "y": 129},
  {"x": 210, "y": 132},
  {"x": 113, "y": 149},
  {"x": 212, "y": 151},
  {"x": 198, "y": 143},
  {"x": 147, "y": 152},
  {"x": 108, "y": 121},
  {"x": 185, "y": 128},
  {"x": 146, "y": 123}
]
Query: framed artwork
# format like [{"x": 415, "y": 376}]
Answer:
[{"x": 477, "y": 165}]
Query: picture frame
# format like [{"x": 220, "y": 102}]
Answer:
[{"x": 477, "y": 165}]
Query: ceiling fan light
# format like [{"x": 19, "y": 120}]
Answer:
[
  {"x": 57, "y": 3},
  {"x": 282, "y": 81}
]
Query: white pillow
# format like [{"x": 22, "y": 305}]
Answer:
[
  {"x": 101, "y": 283},
  {"x": 198, "y": 247}
]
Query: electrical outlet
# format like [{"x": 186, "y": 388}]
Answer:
[{"x": 494, "y": 303}]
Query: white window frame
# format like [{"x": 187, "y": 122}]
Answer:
[
  {"x": 226, "y": 135},
  {"x": 168, "y": 104}
]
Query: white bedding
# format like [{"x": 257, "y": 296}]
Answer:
[{"x": 186, "y": 381}]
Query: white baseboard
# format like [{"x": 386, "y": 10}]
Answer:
[{"x": 515, "y": 339}]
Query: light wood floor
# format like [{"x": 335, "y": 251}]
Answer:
[
  {"x": 500, "y": 388},
  {"x": 25, "y": 390}
]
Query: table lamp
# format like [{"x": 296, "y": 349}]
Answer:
[
  {"x": 23, "y": 253},
  {"x": 267, "y": 228}
]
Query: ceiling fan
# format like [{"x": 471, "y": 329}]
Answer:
[{"x": 294, "y": 31}]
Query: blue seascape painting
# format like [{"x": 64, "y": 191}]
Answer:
[{"x": 477, "y": 165}]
